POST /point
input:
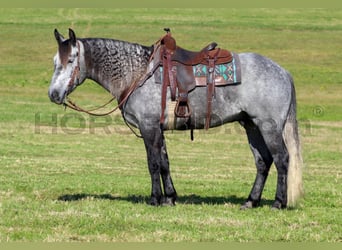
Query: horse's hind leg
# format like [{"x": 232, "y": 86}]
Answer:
[
  {"x": 276, "y": 145},
  {"x": 158, "y": 165},
  {"x": 263, "y": 161}
]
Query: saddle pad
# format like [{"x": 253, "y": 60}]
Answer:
[{"x": 225, "y": 74}]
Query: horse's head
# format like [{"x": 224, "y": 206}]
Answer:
[{"x": 66, "y": 76}]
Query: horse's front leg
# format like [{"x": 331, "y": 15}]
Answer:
[
  {"x": 169, "y": 190},
  {"x": 158, "y": 165}
]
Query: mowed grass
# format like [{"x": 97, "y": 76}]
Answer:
[{"x": 66, "y": 176}]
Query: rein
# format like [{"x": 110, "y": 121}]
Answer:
[{"x": 72, "y": 105}]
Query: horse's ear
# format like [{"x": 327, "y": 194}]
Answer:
[
  {"x": 59, "y": 37},
  {"x": 72, "y": 37}
]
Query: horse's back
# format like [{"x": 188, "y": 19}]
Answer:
[{"x": 263, "y": 94}]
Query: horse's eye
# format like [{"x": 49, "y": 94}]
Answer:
[{"x": 70, "y": 61}]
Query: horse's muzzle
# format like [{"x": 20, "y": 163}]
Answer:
[{"x": 56, "y": 97}]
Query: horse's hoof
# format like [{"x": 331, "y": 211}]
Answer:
[
  {"x": 154, "y": 202},
  {"x": 277, "y": 206},
  {"x": 247, "y": 205},
  {"x": 168, "y": 201},
  {"x": 250, "y": 204}
]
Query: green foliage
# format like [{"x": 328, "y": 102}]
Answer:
[{"x": 70, "y": 177}]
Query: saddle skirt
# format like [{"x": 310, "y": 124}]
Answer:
[{"x": 225, "y": 74}]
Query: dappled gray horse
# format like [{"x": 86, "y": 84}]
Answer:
[{"x": 264, "y": 104}]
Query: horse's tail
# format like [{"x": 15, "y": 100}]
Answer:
[{"x": 292, "y": 142}]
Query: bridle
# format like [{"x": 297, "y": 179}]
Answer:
[
  {"x": 76, "y": 71},
  {"x": 136, "y": 84}
]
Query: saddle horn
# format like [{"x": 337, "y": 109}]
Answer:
[{"x": 169, "y": 41}]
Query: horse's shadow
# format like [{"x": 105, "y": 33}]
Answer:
[{"x": 184, "y": 199}]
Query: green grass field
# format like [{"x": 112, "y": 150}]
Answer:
[{"x": 67, "y": 177}]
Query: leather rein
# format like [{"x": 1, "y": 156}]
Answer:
[{"x": 136, "y": 84}]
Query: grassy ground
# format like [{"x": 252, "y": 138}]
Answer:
[{"x": 71, "y": 177}]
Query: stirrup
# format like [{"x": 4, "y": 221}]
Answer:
[{"x": 182, "y": 109}]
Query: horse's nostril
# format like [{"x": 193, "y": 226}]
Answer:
[{"x": 54, "y": 96}]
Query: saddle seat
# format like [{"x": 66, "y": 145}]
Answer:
[{"x": 188, "y": 57}]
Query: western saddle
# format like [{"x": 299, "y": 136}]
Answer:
[{"x": 178, "y": 74}]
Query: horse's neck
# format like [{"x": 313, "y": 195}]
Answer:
[{"x": 114, "y": 64}]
